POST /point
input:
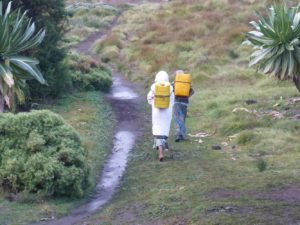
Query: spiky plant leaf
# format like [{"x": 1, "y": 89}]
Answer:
[
  {"x": 276, "y": 42},
  {"x": 17, "y": 34}
]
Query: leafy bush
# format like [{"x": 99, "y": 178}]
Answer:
[
  {"x": 40, "y": 153},
  {"x": 88, "y": 74},
  {"x": 261, "y": 165},
  {"x": 95, "y": 80}
]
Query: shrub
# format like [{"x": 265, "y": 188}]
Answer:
[
  {"x": 40, "y": 153},
  {"x": 88, "y": 74},
  {"x": 261, "y": 165},
  {"x": 83, "y": 64},
  {"x": 95, "y": 80}
]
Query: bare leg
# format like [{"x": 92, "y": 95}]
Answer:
[
  {"x": 1, "y": 104},
  {"x": 160, "y": 153}
]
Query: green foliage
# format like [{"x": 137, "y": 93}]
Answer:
[
  {"x": 238, "y": 123},
  {"x": 261, "y": 165},
  {"x": 88, "y": 74},
  {"x": 95, "y": 18},
  {"x": 17, "y": 35},
  {"x": 84, "y": 21},
  {"x": 95, "y": 80},
  {"x": 40, "y": 153},
  {"x": 275, "y": 39},
  {"x": 51, "y": 15},
  {"x": 245, "y": 137}
]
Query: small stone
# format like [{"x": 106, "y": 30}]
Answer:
[
  {"x": 225, "y": 144},
  {"x": 228, "y": 209},
  {"x": 216, "y": 147},
  {"x": 250, "y": 101},
  {"x": 296, "y": 117},
  {"x": 233, "y": 146}
]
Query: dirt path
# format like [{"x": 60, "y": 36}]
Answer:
[{"x": 126, "y": 104}]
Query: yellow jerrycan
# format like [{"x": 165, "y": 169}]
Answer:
[
  {"x": 182, "y": 85},
  {"x": 162, "y": 95}
]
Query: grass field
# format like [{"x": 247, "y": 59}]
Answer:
[
  {"x": 93, "y": 120},
  {"x": 254, "y": 118},
  {"x": 82, "y": 22}
]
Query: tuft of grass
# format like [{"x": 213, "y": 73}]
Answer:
[
  {"x": 246, "y": 137},
  {"x": 237, "y": 123},
  {"x": 261, "y": 165}
]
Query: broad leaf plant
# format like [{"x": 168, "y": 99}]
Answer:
[
  {"x": 276, "y": 43},
  {"x": 17, "y": 35}
]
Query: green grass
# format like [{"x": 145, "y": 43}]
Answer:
[
  {"x": 260, "y": 152},
  {"x": 83, "y": 22},
  {"x": 93, "y": 120}
]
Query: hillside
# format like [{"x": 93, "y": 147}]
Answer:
[
  {"x": 240, "y": 162},
  {"x": 253, "y": 118}
]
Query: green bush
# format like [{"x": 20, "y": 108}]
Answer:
[
  {"x": 41, "y": 154},
  {"x": 95, "y": 80},
  {"x": 88, "y": 74},
  {"x": 261, "y": 165}
]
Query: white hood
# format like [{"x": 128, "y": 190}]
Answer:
[{"x": 161, "y": 76}]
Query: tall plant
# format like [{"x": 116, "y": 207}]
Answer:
[
  {"x": 51, "y": 15},
  {"x": 276, "y": 43},
  {"x": 17, "y": 35}
]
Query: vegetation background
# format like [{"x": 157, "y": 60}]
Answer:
[{"x": 254, "y": 119}]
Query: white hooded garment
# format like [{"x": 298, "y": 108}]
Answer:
[{"x": 161, "y": 118}]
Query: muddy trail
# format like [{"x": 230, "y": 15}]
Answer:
[{"x": 127, "y": 106}]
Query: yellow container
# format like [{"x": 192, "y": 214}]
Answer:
[
  {"x": 162, "y": 95},
  {"x": 182, "y": 85}
]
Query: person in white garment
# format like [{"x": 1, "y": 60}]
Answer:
[{"x": 161, "y": 118}]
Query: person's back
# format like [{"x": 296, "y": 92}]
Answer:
[
  {"x": 181, "y": 104},
  {"x": 161, "y": 113}
]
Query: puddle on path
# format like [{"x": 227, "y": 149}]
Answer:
[
  {"x": 114, "y": 169},
  {"x": 120, "y": 91}
]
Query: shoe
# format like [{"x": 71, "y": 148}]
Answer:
[{"x": 177, "y": 139}]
